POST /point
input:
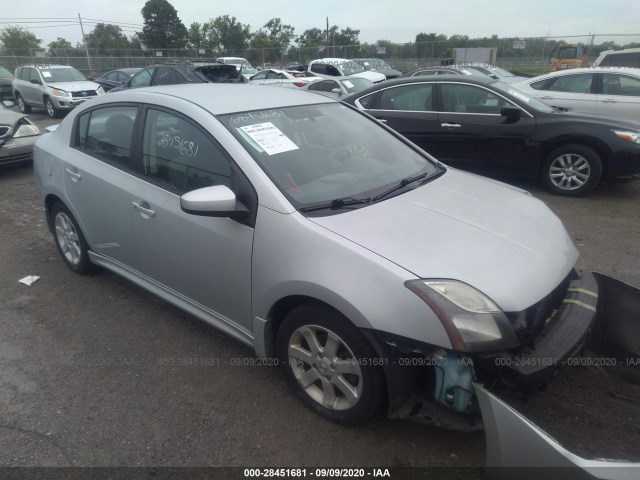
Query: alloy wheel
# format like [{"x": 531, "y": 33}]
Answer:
[
  {"x": 569, "y": 171},
  {"x": 68, "y": 238}
]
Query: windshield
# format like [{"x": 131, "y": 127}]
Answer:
[
  {"x": 350, "y": 67},
  {"x": 4, "y": 73},
  {"x": 529, "y": 100},
  {"x": 318, "y": 153},
  {"x": 62, "y": 75},
  {"x": 353, "y": 85}
]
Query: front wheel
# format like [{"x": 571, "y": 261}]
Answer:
[
  {"x": 69, "y": 240},
  {"x": 330, "y": 365},
  {"x": 52, "y": 111},
  {"x": 571, "y": 170}
]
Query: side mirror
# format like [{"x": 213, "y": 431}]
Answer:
[
  {"x": 510, "y": 112},
  {"x": 335, "y": 90},
  {"x": 215, "y": 201},
  {"x": 35, "y": 81}
]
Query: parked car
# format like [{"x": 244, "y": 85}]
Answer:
[
  {"x": 606, "y": 90},
  {"x": 341, "y": 67},
  {"x": 6, "y": 77},
  {"x": 380, "y": 66},
  {"x": 115, "y": 78},
  {"x": 494, "y": 72},
  {"x": 282, "y": 78},
  {"x": 56, "y": 88},
  {"x": 327, "y": 242},
  {"x": 484, "y": 125},
  {"x": 241, "y": 63},
  {"x": 17, "y": 136},
  {"x": 443, "y": 70},
  {"x": 340, "y": 87},
  {"x": 186, "y": 72}
]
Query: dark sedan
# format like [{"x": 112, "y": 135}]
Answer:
[
  {"x": 115, "y": 78},
  {"x": 486, "y": 125},
  {"x": 17, "y": 136}
]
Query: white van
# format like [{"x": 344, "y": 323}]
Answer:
[{"x": 628, "y": 57}]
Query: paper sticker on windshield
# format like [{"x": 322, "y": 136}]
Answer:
[
  {"x": 46, "y": 74},
  {"x": 270, "y": 138},
  {"x": 519, "y": 95},
  {"x": 348, "y": 84}
]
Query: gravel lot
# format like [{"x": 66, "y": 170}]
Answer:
[{"x": 95, "y": 371}]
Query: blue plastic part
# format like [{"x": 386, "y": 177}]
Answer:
[{"x": 454, "y": 378}]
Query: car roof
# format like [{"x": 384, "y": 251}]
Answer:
[
  {"x": 632, "y": 71},
  {"x": 220, "y": 99},
  {"x": 46, "y": 65}
]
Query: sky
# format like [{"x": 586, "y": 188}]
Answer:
[{"x": 398, "y": 21}]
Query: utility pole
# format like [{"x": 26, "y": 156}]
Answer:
[
  {"x": 86, "y": 48},
  {"x": 327, "y": 51}
]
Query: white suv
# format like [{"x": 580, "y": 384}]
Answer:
[
  {"x": 340, "y": 67},
  {"x": 53, "y": 87}
]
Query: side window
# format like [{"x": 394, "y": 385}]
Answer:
[
  {"x": 333, "y": 71},
  {"x": 614, "y": 84},
  {"x": 367, "y": 102},
  {"x": 319, "y": 68},
  {"x": 273, "y": 76},
  {"x": 542, "y": 84},
  {"x": 470, "y": 99},
  {"x": 260, "y": 76},
  {"x": 580, "y": 83},
  {"x": 409, "y": 97},
  {"x": 106, "y": 133},
  {"x": 34, "y": 75},
  {"x": 142, "y": 78},
  {"x": 111, "y": 76},
  {"x": 179, "y": 154},
  {"x": 19, "y": 73},
  {"x": 167, "y": 76},
  {"x": 121, "y": 77}
]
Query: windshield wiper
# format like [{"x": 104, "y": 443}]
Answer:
[
  {"x": 337, "y": 204},
  {"x": 403, "y": 183}
]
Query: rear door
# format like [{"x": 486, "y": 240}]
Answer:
[
  {"x": 99, "y": 181},
  {"x": 619, "y": 95},
  {"x": 411, "y": 111}
]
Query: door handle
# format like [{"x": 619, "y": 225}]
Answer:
[
  {"x": 383, "y": 120},
  {"x": 609, "y": 101},
  {"x": 75, "y": 176},
  {"x": 450, "y": 125},
  {"x": 143, "y": 209}
]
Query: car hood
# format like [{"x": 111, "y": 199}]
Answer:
[
  {"x": 74, "y": 86},
  {"x": 7, "y": 117},
  {"x": 460, "y": 226}
]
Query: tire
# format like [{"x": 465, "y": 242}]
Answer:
[
  {"x": 345, "y": 385},
  {"x": 52, "y": 111},
  {"x": 571, "y": 170},
  {"x": 70, "y": 240},
  {"x": 22, "y": 105}
]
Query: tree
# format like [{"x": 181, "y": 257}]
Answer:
[
  {"x": 17, "y": 41},
  {"x": 227, "y": 33},
  {"x": 312, "y": 37},
  {"x": 197, "y": 35},
  {"x": 272, "y": 40},
  {"x": 107, "y": 39},
  {"x": 162, "y": 27},
  {"x": 60, "y": 46}
]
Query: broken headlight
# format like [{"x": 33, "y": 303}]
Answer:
[{"x": 473, "y": 322}]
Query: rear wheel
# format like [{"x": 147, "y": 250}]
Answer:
[
  {"x": 22, "y": 105},
  {"x": 69, "y": 240},
  {"x": 330, "y": 365},
  {"x": 52, "y": 111},
  {"x": 571, "y": 170}
]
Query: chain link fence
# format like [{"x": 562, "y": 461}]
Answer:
[{"x": 529, "y": 55}]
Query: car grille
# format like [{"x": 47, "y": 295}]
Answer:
[{"x": 84, "y": 93}]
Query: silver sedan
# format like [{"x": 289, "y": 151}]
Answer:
[{"x": 304, "y": 228}]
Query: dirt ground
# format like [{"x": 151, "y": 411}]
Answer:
[{"x": 96, "y": 372}]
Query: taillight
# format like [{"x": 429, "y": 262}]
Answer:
[{"x": 299, "y": 84}]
